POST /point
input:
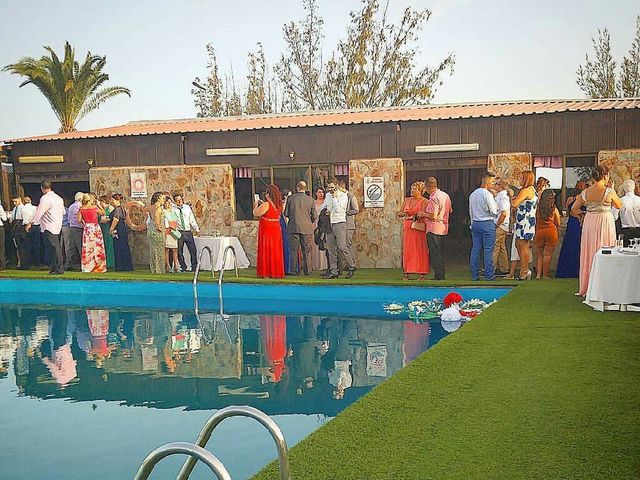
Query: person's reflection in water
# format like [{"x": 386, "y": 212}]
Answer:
[
  {"x": 98, "y": 321},
  {"x": 305, "y": 362},
  {"x": 273, "y": 330},
  {"x": 416, "y": 339},
  {"x": 56, "y": 350}
]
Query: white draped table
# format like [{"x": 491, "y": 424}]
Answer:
[
  {"x": 217, "y": 246},
  {"x": 614, "y": 282}
]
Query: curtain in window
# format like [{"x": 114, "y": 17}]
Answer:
[{"x": 549, "y": 162}]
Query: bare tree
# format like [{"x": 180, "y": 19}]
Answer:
[
  {"x": 300, "y": 67},
  {"x": 375, "y": 65},
  {"x": 259, "y": 95},
  {"x": 629, "y": 85},
  {"x": 209, "y": 99},
  {"x": 597, "y": 77}
]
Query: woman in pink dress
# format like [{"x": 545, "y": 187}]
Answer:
[
  {"x": 319, "y": 256},
  {"x": 94, "y": 259},
  {"x": 415, "y": 256},
  {"x": 598, "y": 225}
]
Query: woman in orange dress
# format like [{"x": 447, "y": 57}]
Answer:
[
  {"x": 94, "y": 258},
  {"x": 546, "y": 239},
  {"x": 415, "y": 255},
  {"x": 270, "y": 255}
]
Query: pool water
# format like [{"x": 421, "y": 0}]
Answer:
[{"x": 89, "y": 392}]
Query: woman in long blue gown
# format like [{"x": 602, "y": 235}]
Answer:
[{"x": 569, "y": 259}]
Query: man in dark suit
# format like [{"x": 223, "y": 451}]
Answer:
[{"x": 301, "y": 212}]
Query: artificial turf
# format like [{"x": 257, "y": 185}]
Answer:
[{"x": 538, "y": 387}]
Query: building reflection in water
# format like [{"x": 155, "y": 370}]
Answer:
[{"x": 280, "y": 364}]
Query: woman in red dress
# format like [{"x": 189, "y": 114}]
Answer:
[
  {"x": 270, "y": 256},
  {"x": 415, "y": 255},
  {"x": 273, "y": 330}
]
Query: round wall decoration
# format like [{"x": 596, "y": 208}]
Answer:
[{"x": 136, "y": 218}]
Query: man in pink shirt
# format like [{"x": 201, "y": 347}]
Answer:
[
  {"x": 49, "y": 214},
  {"x": 437, "y": 219}
]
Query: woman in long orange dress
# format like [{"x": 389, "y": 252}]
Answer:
[
  {"x": 270, "y": 255},
  {"x": 415, "y": 255}
]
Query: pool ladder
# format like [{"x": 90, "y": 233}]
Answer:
[
  {"x": 196, "y": 303},
  {"x": 196, "y": 451}
]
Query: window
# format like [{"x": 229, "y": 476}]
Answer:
[
  {"x": 578, "y": 168},
  {"x": 249, "y": 181},
  {"x": 563, "y": 172}
]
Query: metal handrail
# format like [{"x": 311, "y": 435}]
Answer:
[
  {"x": 195, "y": 277},
  {"x": 221, "y": 274},
  {"x": 175, "y": 448},
  {"x": 243, "y": 411},
  {"x": 196, "y": 303}
]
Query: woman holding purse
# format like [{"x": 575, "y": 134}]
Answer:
[{"x": 415, "y": 255}]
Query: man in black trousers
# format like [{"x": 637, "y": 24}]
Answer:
[{"x": 301, "y": 212}]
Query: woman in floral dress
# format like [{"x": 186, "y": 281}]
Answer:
[{"x": 93, "y": 256}]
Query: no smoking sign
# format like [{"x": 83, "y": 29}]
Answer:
[{"x": 373, "y": 192}]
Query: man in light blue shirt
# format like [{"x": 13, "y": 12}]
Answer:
[{"x": 483, "y": 211}]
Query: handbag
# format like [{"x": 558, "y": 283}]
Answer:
[
  {"x": 418, "y": 226},
  {"x": 176, "y": 234}
]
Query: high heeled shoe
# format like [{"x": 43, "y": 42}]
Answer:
[{"x": 526, "y": 276}]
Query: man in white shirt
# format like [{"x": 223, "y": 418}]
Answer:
[
  {"x": 35, "y": 241},
  {"x": 500, "y": 257},
  {"x": 20, "y": 237},
  {"x": 483, "y": 211},
  {"x": 629, "y": 212},
  {"x": 336, "y": 202},
  {"x": 186, "y": 225},
  {"x": 49, "y": 214}
]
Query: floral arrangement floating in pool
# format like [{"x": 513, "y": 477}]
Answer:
[
  {"x": 452, "y": 308},
  {"x": 393, "y": 308}
]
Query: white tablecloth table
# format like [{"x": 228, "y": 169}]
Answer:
[
  {"x": 614, "y": 282},
  {"x": 217, "y": 246}
]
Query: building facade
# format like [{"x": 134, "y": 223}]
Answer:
[{"x": 218, "y": 164}]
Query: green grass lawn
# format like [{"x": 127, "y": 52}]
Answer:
[
  {"x": 539, "y": 386},
  {"x": 457, "y": 275}
]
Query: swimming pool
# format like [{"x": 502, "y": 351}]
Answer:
[{"x": 90, "y": 388}]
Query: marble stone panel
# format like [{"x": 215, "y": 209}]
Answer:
[
  {"x": 378, "y": 236},
  {"x": 622, "y": 164},
  {"x": 509, "y": 166},
  {"x": 208, "y": 188}
]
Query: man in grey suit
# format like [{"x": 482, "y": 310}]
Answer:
[
  {"x": 301, "y": 212},
  {"x": 352, "y": 209}
]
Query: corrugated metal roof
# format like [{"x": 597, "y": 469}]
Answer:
[{"x": 346, "y": 117}]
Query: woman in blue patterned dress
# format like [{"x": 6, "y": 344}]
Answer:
[{"x": 525, "y": 205}]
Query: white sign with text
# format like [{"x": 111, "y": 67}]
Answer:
[{"x": 373, "y": 192}]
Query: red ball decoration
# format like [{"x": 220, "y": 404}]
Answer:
[{"x": 451, "y": 298}]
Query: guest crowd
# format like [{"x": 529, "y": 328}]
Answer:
[
  {"x": 533, "y": 218},
  {"x": 298, "y": 234}
]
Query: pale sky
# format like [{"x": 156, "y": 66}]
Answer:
[{"x": 505, "y": 49}]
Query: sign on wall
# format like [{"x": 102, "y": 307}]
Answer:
[
  {"x": 373, "y": 192},
  {"x": 138, "y": 184}
]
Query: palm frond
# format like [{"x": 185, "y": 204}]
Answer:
[{"x": 71, "y": 89}]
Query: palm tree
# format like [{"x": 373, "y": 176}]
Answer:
[{"x": 70, "y": 88}]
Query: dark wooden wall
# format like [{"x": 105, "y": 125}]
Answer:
[{"x": 568, "y": 133}]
